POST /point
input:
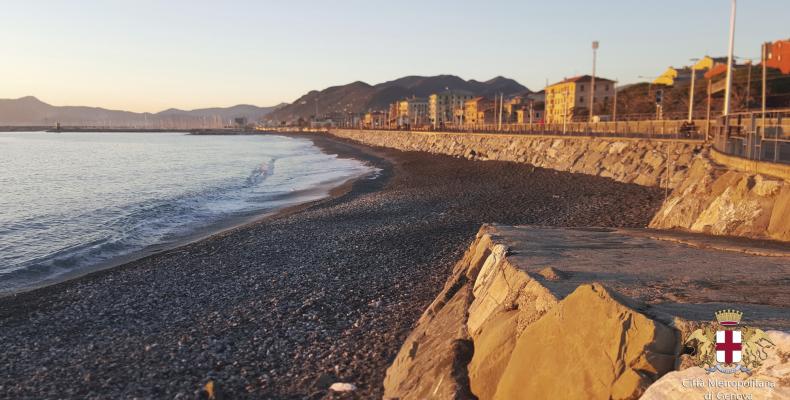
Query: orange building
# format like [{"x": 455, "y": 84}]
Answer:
[{"x": 778, "y": 55}]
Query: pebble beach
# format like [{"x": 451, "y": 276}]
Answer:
[{"x": 285, "y": 307}]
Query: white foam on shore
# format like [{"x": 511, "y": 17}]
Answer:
[{"x": 142, "y": 203}]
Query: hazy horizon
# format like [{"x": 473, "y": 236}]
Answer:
[{"x": 150, "y": 56}]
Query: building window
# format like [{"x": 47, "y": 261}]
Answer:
[
  {"x": 581, "y": 87},
  {"x": 581, "y": 99}
]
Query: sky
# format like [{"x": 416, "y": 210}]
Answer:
[{"x": 142, "y": 55}]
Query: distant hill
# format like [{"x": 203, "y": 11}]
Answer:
[
  {"x": 359, "y": 96},
  {"x": 32, "y": 111}
]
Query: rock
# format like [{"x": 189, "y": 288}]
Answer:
[
  {"x": 592, "y": 345},
  {"x": 342, "y": 387},
  {"x": 609, "y": 157},
  {"x": 776, "y": 369},
  {"x": 325, "y": 380},
  {"x": 493, "y": 347},
  {"x": 718, "y": 201},
  {"x": 779, "y": 226},
  {"x": 432, "y": 361},
  {"x": 506, "y": 300},
  {"x": 553, "y": 274}
]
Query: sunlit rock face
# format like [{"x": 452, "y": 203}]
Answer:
[
  {"x": 592, "y": 345},
  {"x": 646, "y": 163},
  {"x": 584, "y": 313},
  {"x": 720, "y": 201},
  {"x": 704, "y": 196}
]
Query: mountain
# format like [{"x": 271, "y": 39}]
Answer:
[
  {"x": 360, "y": 97},
  {"x": 32, "y": 111}
]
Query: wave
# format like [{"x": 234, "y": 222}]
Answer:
[
  {"x": 120, "y": 231},
  {"x": 261, "y": 172}
]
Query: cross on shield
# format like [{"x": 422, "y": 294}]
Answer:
[{"x": 728, "y": 347}]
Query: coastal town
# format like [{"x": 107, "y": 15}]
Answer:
[
  {"x": 311, "y": 200},
  {"x": 762, "y": 85}
]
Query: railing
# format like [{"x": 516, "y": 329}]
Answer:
[
  {"x": 664, "y": 129},
  {"x": 754, "y": 136}
]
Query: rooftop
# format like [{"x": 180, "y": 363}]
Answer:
[{"x": 582, "y": 78}]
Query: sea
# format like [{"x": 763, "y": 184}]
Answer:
[{"x": 72, "y": 203}]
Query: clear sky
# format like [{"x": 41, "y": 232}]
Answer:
[{"x": 145, "y": 55}]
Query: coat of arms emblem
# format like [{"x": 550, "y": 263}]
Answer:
[{"x": 730, "y": 347}]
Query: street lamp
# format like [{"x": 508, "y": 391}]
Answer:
[
  {"x": 729, "y": 60},
  {"x": 592, "y": 83},
  {"x": 691, "y": 90}
]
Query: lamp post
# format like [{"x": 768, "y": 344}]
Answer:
[
  {"x": 614, "y": 104},
  {"x": 691, "y": 90},
  {"x": 592, "y": 82},
  {"x": 729, "y": 60},
  {"x": 749, "y": 85}
]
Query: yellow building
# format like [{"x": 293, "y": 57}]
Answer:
[
  {"x": 571, "y": 97},
  {"x": 706, "y": 63},
  {"x": 672, "y": 74},
  {"x": 375, "y": 119},
  {"x": 527, "y": 115},
  {"x": 412, "y": 112},
  {"x": 675, "y": 75},
  {"x": 479, "y": 110}
]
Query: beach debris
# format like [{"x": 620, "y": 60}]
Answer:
[
  {"x": 342, "y": 387},
  {"x": 207, "y": 392},
  {"x": 209, "y": 388}
]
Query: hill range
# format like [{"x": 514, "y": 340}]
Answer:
[
  {"x": 32, "y": 111},
  {"x": 357, "y": 97}
]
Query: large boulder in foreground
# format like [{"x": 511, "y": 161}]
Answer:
[
  {"x": 592, "y": 345},
  {"x": 431, "y": 364}
]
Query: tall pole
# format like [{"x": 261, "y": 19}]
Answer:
[
  {"x": 501, "y": 108},
  {"x": 691, "y": 93},
  {"x": 565, "y": 110},
  {"x": 729, "y": 60},
  {"x": 749, "y": 85},
  {"x": 494, "y": 110},
  {"x": 592, "y": 81},
  {"x": 707, "y": 115},
  {"x": 762, "y": 101},
  {"x": 614, "y": 107}
]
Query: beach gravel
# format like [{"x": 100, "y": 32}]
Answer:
[{"x": 286, "y": 307}]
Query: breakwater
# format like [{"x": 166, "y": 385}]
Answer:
[
  {"x": 708, "y": 193},
  {"x": 721, "y": 195},
  {"x": 649, "y": 163}
]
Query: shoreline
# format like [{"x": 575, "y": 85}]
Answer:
[
  {"x": 286, "y": 306},
  {"x": 227, "y": 225}
]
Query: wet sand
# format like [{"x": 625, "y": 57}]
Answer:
[{"x": 285, "y": 306}]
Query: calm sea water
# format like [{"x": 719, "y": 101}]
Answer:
[{"x": 72, "y": 201}]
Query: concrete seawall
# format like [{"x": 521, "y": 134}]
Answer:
[{"x": 710, "y": 194}]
